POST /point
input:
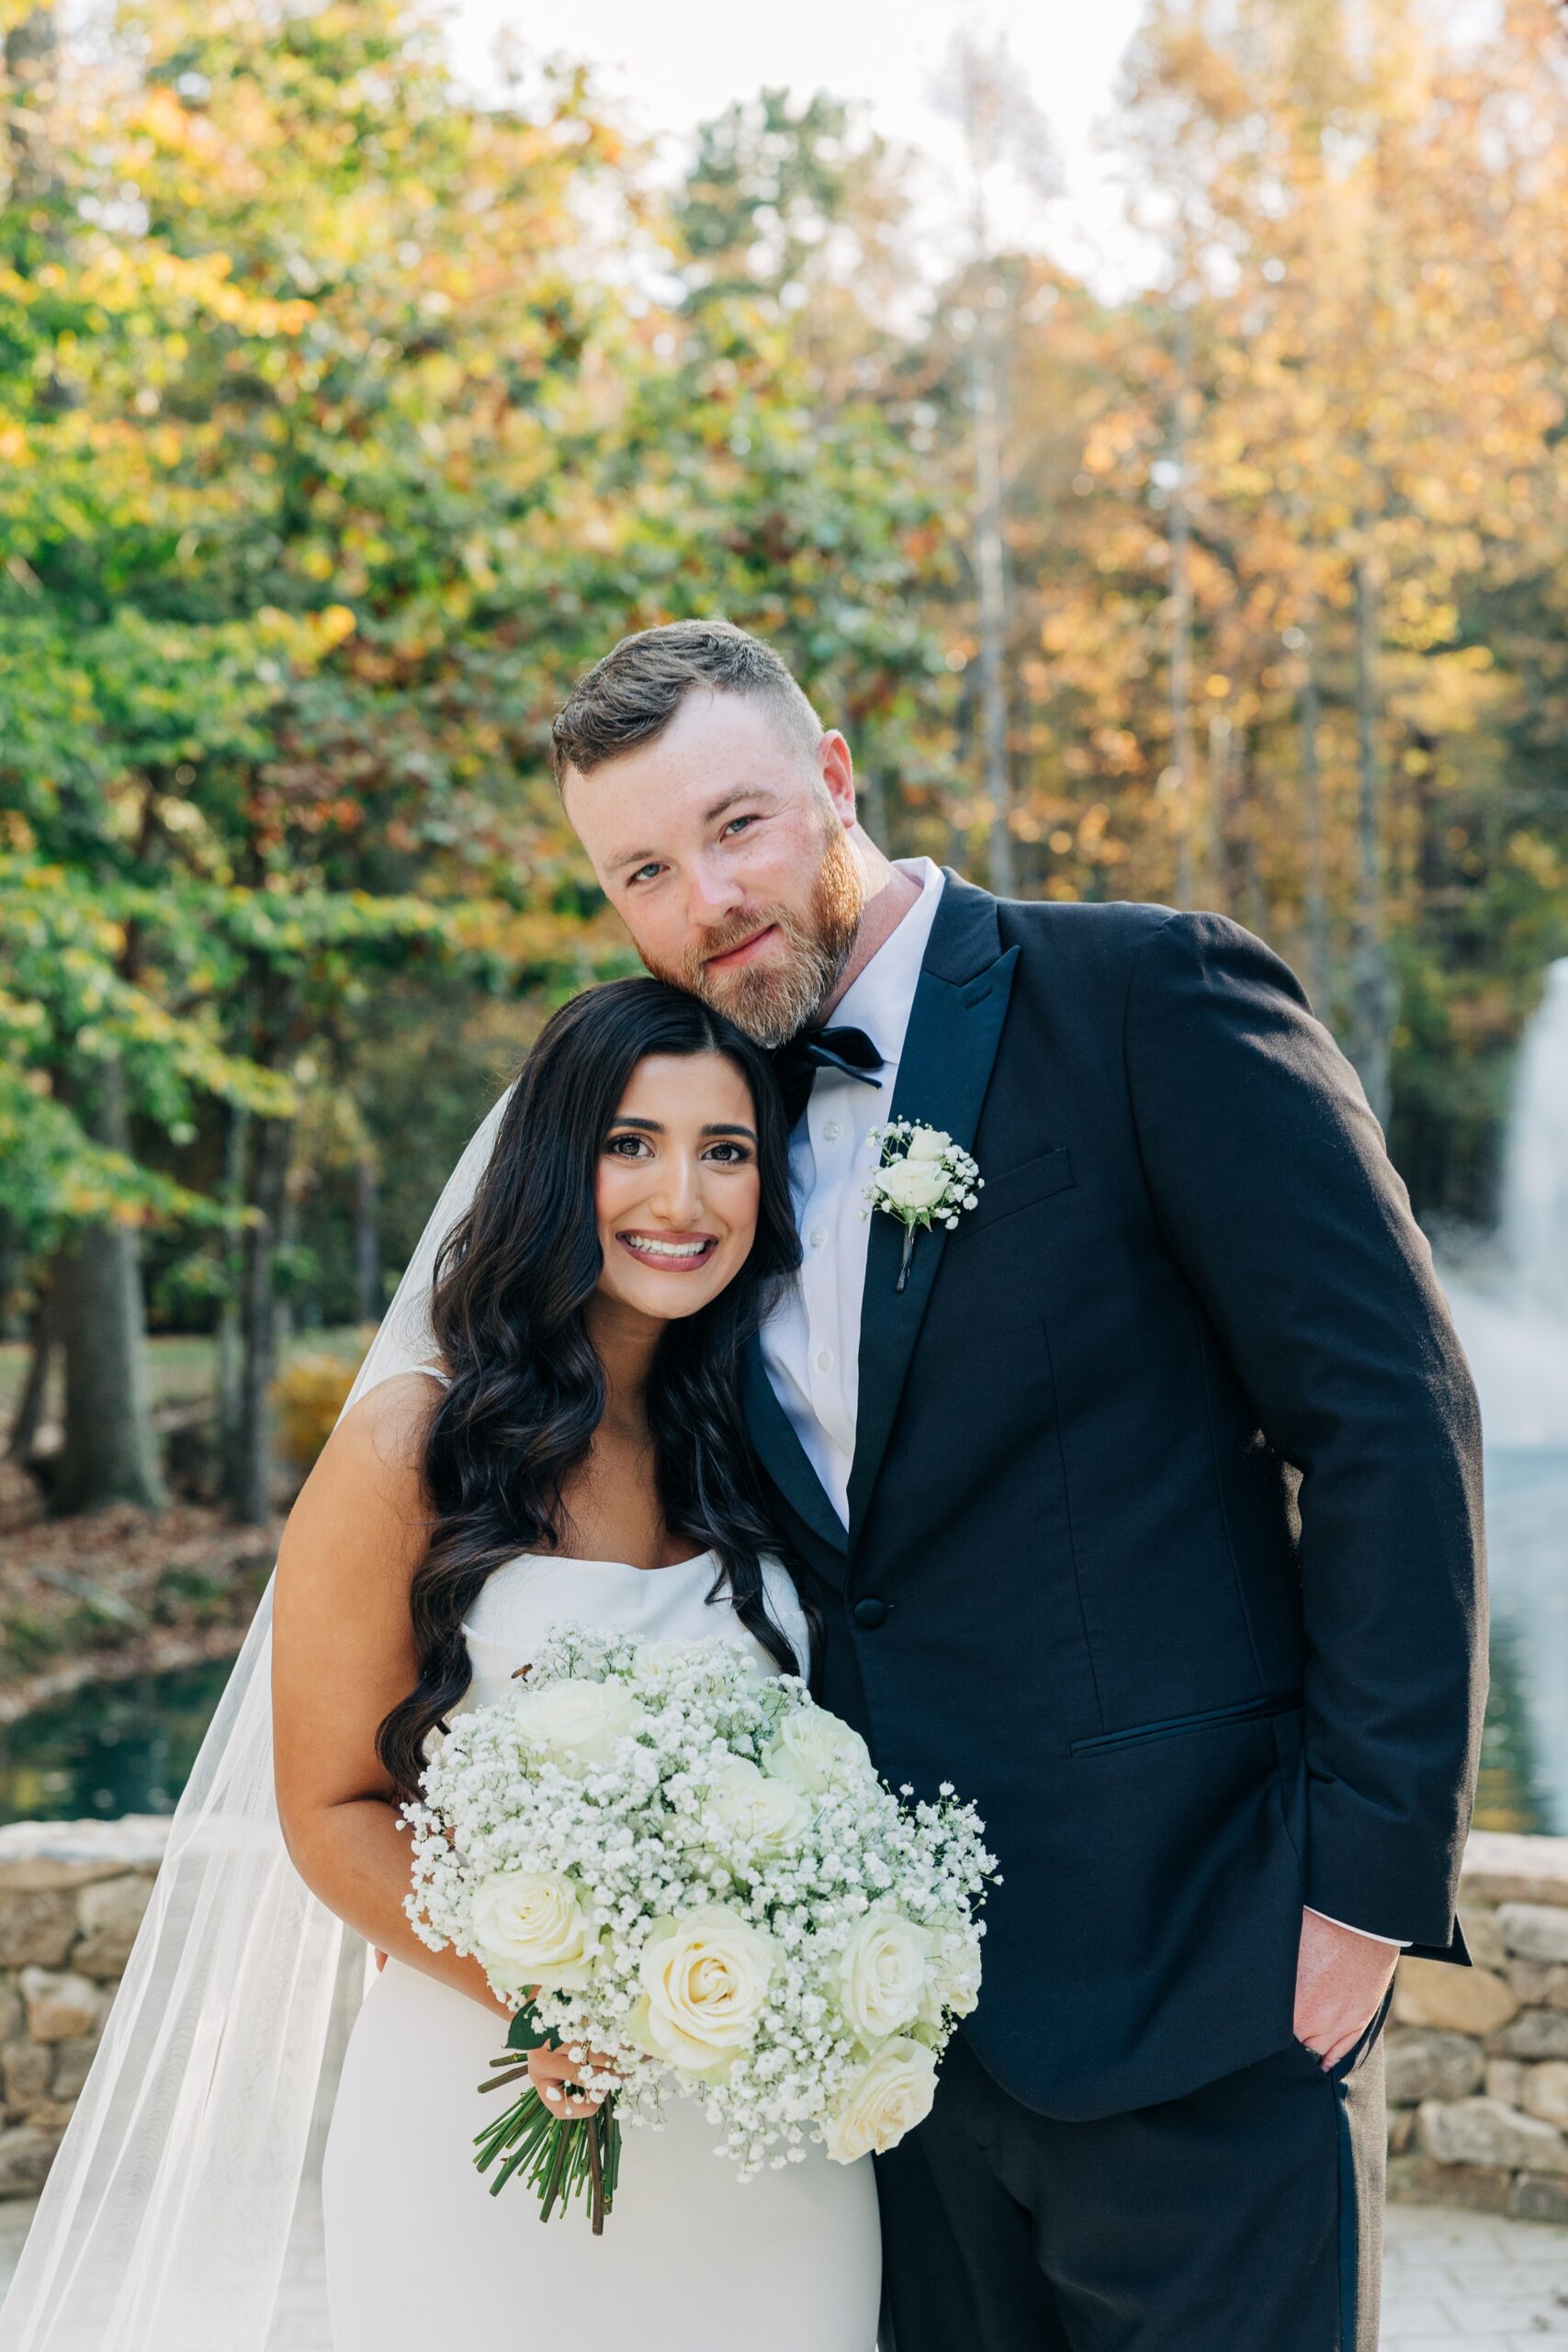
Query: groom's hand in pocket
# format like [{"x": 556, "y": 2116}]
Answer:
[{"x": 1340, "y": 1979}]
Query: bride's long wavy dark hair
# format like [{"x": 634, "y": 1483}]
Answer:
[{"x": 527, "y": 1390}]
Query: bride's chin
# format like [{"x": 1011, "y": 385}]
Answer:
[{"x": 662, "y": 1299}]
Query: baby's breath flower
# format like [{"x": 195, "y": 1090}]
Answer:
[{"x": 774, "y": 1888}]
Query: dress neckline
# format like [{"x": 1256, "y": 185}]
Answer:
[{"x": 570, "y": 1560}]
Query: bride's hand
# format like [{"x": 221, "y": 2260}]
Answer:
[{"x": 551, "y": 2070}]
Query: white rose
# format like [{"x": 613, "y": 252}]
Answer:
[
  {"x": 657, "y": 1659},
  {"x": 529, "y": 1928},
  {"x": 957, "y": 1979},
  {"x": 890, "y": 2095},
  {"x": 576, "y": 1723},
  {"x": 706, "y": 1981},
  {"x": 772, "y": 1813},
  {"x": 953, "y": 1981},
  {"x": 882, "y": 1975},
  {"x": 928, "y": 1143},
  {"x": 813, "y": 1747},
  {"x": 914, "y": 1184}
]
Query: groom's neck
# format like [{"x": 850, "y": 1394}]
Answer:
[{"x": 889, "y": 896}]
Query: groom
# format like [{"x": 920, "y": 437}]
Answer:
[{"x": 1148, "y": 1512}]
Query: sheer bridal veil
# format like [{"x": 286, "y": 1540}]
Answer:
[{"x": 166, "y": 2217}]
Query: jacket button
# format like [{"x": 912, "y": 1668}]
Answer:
[{"x": 870, "y": 1612}]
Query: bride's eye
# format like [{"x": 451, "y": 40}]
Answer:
[
  {"x": 730, "y": 1155},
  {"x": 626, "y": 1146}
]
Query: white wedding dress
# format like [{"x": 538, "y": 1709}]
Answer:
[{"x": 420, "y": 2258}]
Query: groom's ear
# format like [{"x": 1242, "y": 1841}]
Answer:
[{"x": 838, "y": 769}]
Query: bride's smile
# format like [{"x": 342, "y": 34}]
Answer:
[{"x": 676, "y": 1186}]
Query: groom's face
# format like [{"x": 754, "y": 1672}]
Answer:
[{"x": 723, "y": 844}]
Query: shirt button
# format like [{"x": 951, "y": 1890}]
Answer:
[
  {"x": 817, "y": 1237},
  {"x": 870, "y": 1613},
  {"x": 824, "y": 1359},
  {"x": 832, "y": 1132}
]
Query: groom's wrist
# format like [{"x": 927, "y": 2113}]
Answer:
[{"x": 1395, "y": 1943}]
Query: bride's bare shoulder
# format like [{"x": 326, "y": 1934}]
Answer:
[
  {"x": 372, "y": 1466},
  {"x": 392, "y": 1419}
]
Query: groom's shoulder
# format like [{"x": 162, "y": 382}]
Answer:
[
  {"x": 1102, "y": 945},
  {"x": 1103, "y": 939},
  {"x": 1114, "y": 936}
]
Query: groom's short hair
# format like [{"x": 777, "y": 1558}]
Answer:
[{"x": 635, "y": 691}]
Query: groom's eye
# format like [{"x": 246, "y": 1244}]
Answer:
[
  {"x": 645, "y": 872},
  {"x": 734, "y": 824}
]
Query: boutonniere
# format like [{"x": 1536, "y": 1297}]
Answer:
[{"x": 923, "y": 1176}]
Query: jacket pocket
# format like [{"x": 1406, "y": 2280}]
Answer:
[
  {"x": 1277, "y": 1702},
  {"x": 1018, "y": 1187}
]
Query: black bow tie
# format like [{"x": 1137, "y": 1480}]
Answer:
[{"x": 796, "y": 1064}]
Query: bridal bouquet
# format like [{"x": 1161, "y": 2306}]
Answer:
[{"x": 680, "y": 1868}]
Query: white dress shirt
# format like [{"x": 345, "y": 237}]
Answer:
[{"x": 811, "y": 1341}]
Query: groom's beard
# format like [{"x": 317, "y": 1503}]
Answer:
[{"x": 772, "y": 1001}]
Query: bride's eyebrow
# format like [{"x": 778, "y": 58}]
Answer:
[{"x": 715, "y": 1128}]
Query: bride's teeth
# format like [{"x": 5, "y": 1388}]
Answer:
[{"x": 665, "y": 1249}]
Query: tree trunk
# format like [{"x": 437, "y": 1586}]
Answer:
[
  {"x": 990, "y": 572},
  {"x": 1316, "y": 891},
  {"x": 230, "y": 1338},
  {"x": 250, "y": 1492},
  {"x": 286, "y": 1314},
  {"x": 1209, "y": 854},
  {"x": 367, "y": 1236},
  {"x": 1375, "y": 1002},
  {"x": 32, "y": 66},
  {"x": 109, "y": 1454},
  {"x": 1180, "y": 776},
  {"x": 28, "y": 1418}
]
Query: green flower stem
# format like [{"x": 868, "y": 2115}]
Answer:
[{"x": 560, "y": 2156}]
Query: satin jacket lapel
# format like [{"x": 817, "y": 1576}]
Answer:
[
  {"x": 781, "y": 1453},
  {"x": 955, "y": 1026}
]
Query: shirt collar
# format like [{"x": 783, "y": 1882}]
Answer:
[{"x": 883, "y": 996}]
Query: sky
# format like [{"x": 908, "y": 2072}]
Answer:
[{"x": 672, "y": 65}]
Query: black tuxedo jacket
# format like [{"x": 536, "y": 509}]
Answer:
[{"x": 1165, "y": 1536}]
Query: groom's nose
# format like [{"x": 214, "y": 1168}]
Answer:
[{"x": 713, "y": 892}]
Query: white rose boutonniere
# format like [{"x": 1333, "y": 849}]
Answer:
[{"x": 924, "y": 1176}]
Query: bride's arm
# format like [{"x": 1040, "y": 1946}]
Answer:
[{"x": 342, "y": 1657}]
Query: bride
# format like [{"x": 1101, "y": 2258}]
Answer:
[
  {"x": 573, "y": 1451},
  {"x": 547, "y": 1427}
]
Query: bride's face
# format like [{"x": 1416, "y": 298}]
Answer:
[{"x": 677, "y": 1189}]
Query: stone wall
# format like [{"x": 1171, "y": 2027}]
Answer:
[
  {"x": 1477, "y": 2057},
  {"x": 71, "y": 1896}
]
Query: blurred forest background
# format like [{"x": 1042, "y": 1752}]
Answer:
[{"x": 343, "y": 423}]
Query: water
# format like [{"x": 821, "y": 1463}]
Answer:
[
  {"x": 1535, "y": 1166},
  {"x": 1513, "y": 1320},
  {"x": 1525, "y": 1758},
  {"x": 117, "y": 1747}
]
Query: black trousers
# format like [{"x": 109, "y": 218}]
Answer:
[{"x": 1246, "y": 2216}]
